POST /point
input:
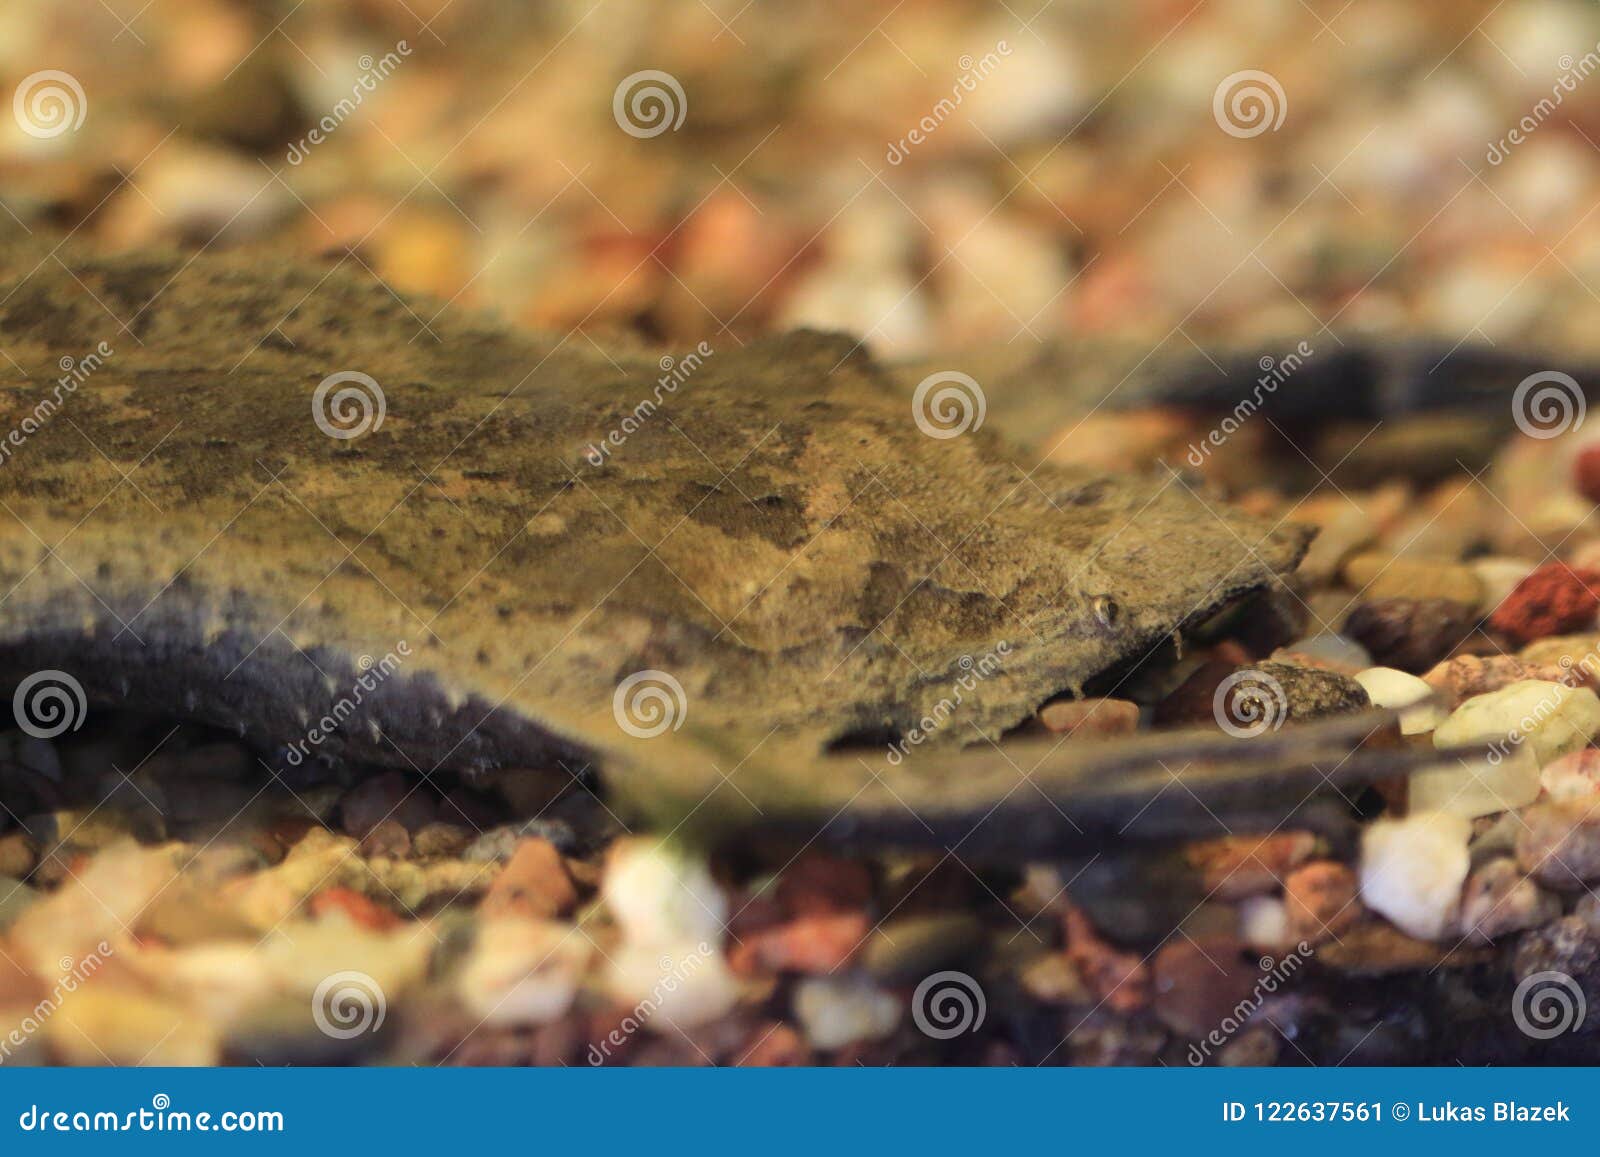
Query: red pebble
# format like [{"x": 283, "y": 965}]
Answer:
[
  {"x": 1556, "y": 599},
  {"x": 1586, "y": 472}
]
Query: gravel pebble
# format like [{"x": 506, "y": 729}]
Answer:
[
  {"x": 1560, "y": 844},
  {"x": 1320, "y": 901},
  {"x": 836, "y": 1010},
  {"x": 1499, "y": 898},
  {"x": 1412, "y": 871},
  {"x": 1556, "y": 599},
  {"x": 1091, "y": 718},
  {"x": 1411, "y": 634},
  {"x": 1420, "y": 712}
]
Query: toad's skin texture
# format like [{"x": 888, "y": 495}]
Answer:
[{"x": 779, "y": 537}]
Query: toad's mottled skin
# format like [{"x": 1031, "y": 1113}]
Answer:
[{"x": 779, "y": 536}]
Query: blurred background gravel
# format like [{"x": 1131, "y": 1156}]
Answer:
[{"x": 1078, "y": 177}]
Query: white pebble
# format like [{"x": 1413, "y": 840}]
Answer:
[
  {"x": 1412, "y": 871},
  {"x": 1264, "y": 923},
  {"x": 663, "y": 895},
  {"x": 676, "y": 988},
  {"x": 523, "y": 971},
  {"x": 1502, "y": 782},
  {"x": 835, "y": 1010},
  {"x": 1551, "y": 718},
  {"x": 1420, "y": 711},
  {"x": 1499, "y": 577}
]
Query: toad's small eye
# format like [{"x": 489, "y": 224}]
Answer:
[{"x": 1106, "y": 610}]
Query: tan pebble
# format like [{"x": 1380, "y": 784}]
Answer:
[
  {"x": 1052, "y": 979},
  {"x": 1576, "y": 655},
  {"x": 1382, "y": 577},
  {"x": 1091, "y": 718},
  {"x": 534, "y": 883},
  {"x": 1255, "y": 1047}
]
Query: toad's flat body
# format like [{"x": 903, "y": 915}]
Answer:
[{"x": 773, "y": 530}]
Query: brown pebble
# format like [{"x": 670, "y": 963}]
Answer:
[
  {"x": 389, "y": 796},
  {"x": 1411, "y": 634},
  {"x": 1198, "y": 983},
  {"x": 817, "y": 883},
  {"x": 441, "y": 839},
  {"x": 388, "y": 838},
  {"x": 1380, "y": 576},
  {"x": 533, "y": 883},
  {"x": 1091, "y": 718}
]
